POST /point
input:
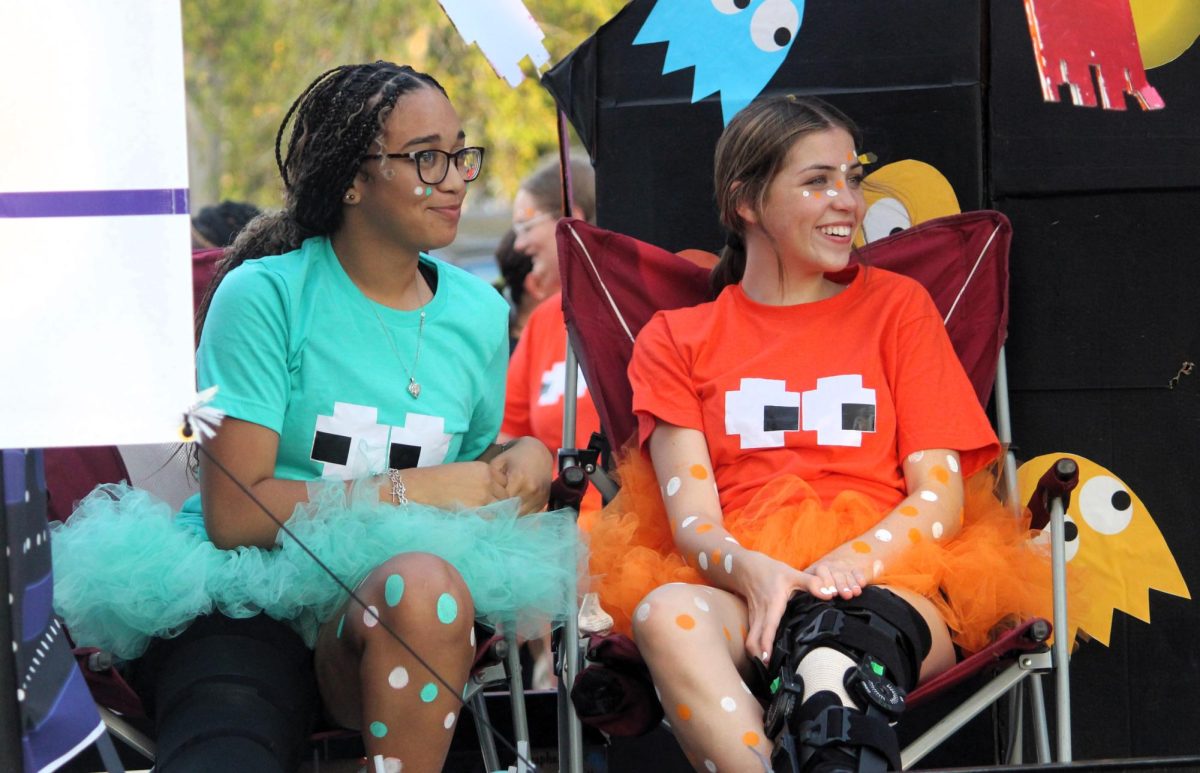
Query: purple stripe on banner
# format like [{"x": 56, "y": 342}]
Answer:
[
  {"x": 158, "y": 201},
  {"x": 13, "y": 461}
]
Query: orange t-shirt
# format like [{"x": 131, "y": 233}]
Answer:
[
  {"x": 837, "y": 392},
  {"x": 536, "y": 387}
]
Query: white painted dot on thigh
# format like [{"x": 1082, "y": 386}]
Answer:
[
  {"x": 883, "y": 535},
  {"x": 643, "y": 613},
  {"x": 371, "y": 616},
  {"x": 709, "y": 765},
  {"x": 916, "y": 456},
  {"x": 729, "y": 704},
  {"x": 929, "y": 496},
  {"x": 472, "y": 637},
  {"x": 673, "y": 486},
  {"x": 951, "y": 462},
  {"x": 729, "y": 563},
  {"x": 448, "y": 722},
  {"x": 398, "y": 679},
  {"x": 701, "y": 604},
  {"x": 731, "y": 539},
  {"x": 938, "y": 529},
  {"x": 703, "y": 559},
  {"x": 877, "y": 568},
  {"x": 689, "y": 521},
  {"x": 392, "y": 765}
]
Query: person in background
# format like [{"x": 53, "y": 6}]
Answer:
[
  {"x": 516, "y": 284},
  {"x": 218, "y": 225}
]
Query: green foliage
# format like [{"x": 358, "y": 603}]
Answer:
[{"x": 246, "y": 62}]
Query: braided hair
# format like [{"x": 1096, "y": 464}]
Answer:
[{"x": 338, "y": 117}]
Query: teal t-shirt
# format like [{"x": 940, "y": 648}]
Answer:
[{"x": 293, "y": 345}]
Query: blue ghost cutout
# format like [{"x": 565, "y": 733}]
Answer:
[{"x": 735, "y": 46}]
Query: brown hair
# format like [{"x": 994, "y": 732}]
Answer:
[
  {"x": 544, "y": 185},
  {"x": 750, "y": 152}
]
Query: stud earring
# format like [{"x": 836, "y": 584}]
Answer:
[{"x": 351, "y": 197}]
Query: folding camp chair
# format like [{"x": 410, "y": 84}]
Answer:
[{"x": 613, "y": 284}]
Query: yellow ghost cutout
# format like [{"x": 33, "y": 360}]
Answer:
[
  {"x": 1165, "y": 28},
  {"x": 902, "y": 194},
  {"x": 1113, "y": 547}
]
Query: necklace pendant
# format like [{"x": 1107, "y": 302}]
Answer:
[{"x": 414, "y": 388}]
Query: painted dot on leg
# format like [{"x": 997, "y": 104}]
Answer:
[
  {"x": 698, "y": 471},
  {"x": 448, "y": 722},
  {"x": 686, "y": 622},
  {"x": 392, "y": 765},
  {"x": 729, "y": 704},
  {"x": 393, "y": 589},
  {"x": 371, "y": 616},
  {"x": 860, "y": 547},
  {"x": 952, "y": 463},
  {"x": 914, "y": 535},
  {"x": 716, "y": 559},
  {"x": 938, "y": 529},
  {"x": 398, "y": 679},
  {"x": 378, "y": 729},
  {"x": 341, "y": 625},
  {"x": 704, "y": 528},
  {"x": 472, "y": 637},
  {"x": 429, "y": 692},
  {"x": 684, "y": 711},
  {"x": 883, "y": 535},
  {"x": 643, "y": 613},
  {"x": 729, "y": 563},
  {"x": 710, "y": 766},
  {"x": 689, "y": 521},
  {"x": 876, "y": 568},
  {"x": 750, "y": 738},
  {"x": 701, "y": 604},
  {"x": 929, "y": 496},
  {"x": 941, "y": 474},
  {"x": 909, "y": 510},
  {"x": 447, "y": 608},
  {"x": 702, "y": 559},
  {"x": 673, "y": 486}
]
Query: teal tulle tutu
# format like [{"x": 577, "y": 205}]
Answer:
[{"x": 127, "y": 568}]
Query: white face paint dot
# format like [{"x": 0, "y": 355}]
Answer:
[
  {"x": 673, "y": 486},
  {"x": 916, "y": 456},
  {"x": 689, "y": 521},
  {"x": 844, "y": 167},
  {"x": 729, "y": 563},
  {"x": 807, "y": 194},
  {"x": 371, "y": 617},
  {"x": 831, "y": 193},
  {"x": 398, "y": 679},
  {"x": 883, "y": 535},
  {"x": 418, "y": 190},
  {"x": 701, "y": 604},
  {"x": 448, "y": 722},
  {"x": 929, "y": 496},
  {"x": 729, "y": 704},
  {"x": 703, "y": 559},
  {"x": 877, "y": 568},
  {"x": 643, "y": 613},
  {"x": 951, "y": 462},
  {"x": 710, "y": 766},
  {"x": 938, "y": 529}
]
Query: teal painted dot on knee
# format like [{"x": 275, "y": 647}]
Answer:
[
  {"x": 393, "y": 589},
  {"x": 447, "y": 608},
  {"x": 378, "y": 729},
  {"x": 429, "y": 692},
  {"x": 341, "y": 625}
]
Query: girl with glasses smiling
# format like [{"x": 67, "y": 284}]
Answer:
[{"x": 362, "y": 382}]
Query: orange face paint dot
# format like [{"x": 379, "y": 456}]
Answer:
[
  {"x": 909, "y": 510},
  {"x": 841, "y": 184},
  {"x": 914, "y": 536},
  {"x": 686, "y": 622},
  {"x": 703, "y": 528},
  {"x": 684, "y": 711},
  {"x": 699, "y": 471},
  {"x": 941, "y": 474},
  {"x": 750, "y": 738},
  {"x": 742, "y": 631},
  {"x": 861, "y": 547},
  {"x": 817, "y": 195},
  {"x": 728, "y": 636}
]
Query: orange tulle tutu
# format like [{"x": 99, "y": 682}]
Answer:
[{"x": 988, "y": 573}]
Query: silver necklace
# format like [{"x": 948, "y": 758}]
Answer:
[{"x": 414, "y": 386}]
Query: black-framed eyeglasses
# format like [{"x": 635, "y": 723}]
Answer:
[{"x": 433, "y": 165}]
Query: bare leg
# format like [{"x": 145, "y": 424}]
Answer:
[{"x": 371, "y": 682}]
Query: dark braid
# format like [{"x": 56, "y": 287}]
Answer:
[{"x": 337, "y": 118}]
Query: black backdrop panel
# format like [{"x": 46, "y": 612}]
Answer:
[
  {"x": 910, "y": 79},
  {"x": 1041, "y": 147},
  {"x": 1103, "y": 289}
]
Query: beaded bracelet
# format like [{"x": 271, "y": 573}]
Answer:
[{"x": 398, "y": 487}]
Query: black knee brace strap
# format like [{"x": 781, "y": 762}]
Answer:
[{"x": 887, "y": 639}]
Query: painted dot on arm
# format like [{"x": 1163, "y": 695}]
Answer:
[
  {"x": 448, "y": 722},
  {"x": 704, "y": 528},
  {"x": 883, "y": 535},
  {"x": 710, "y": 766},
  {"x": 683, "y": 711},
  {"x": 951, "y": 462},
  {"x": 916, "y": 456},
  {"x": 750, "y": 738},
  {"x": 731, "y": 539},
  {"x": 929, "y": 496},
  {"x": 393, "y": 589},
  {"x": 938, "y": 529},
  {"x": 378, "y": 729},
  {"x": 643, "y": 613},
  {"x": 429, "y": 692},
  {"x": 371, "y": 617},
  {"x": 914, "y": 535},
  {"x": 729, "y": 704},
  {"x": 941, "y": 474},
  {"x": 876, "y": 568},
  {"x": 702, "y": 559},
  {"x": 729, "y": 563},
  {"x": 860, "y": 547},
  {"x": 699, "y": 471},
  {"x": 689, "y": 521},
  {"x": 909, "y": 510},
  {"x": 686, "y": 622},
  {"x": 398, "y": 679},
  {"x": 673, "y": 486},
  {"x": 701, "y": 604},
  {"x": 447, "y": 608}
]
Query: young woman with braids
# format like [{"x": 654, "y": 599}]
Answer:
[
  {"x": 363, "y": 384},
  {"x": 812, "y": 442}
]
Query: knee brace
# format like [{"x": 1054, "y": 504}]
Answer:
[{"x": 880, "y": 641}]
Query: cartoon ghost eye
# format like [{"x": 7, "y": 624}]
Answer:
[
  {"x": 731, "y": 6},
  {"x": 1070, "y": 536},
  {"x": 1106, "y": 504},
  {"x": 884, "y": 218},
  {"x": 774, "y": 25}
]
